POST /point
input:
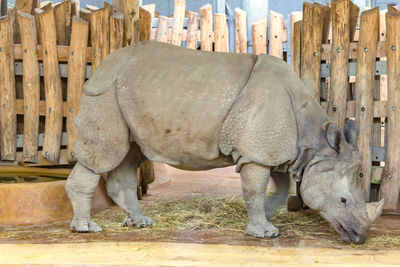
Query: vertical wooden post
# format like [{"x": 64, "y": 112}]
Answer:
[
  {"x": 353, "y": 18},
  {"x": 259, "y": 36},
  {"x": 337, "y": 105},
  {"x": 130, "y": 11},
  {"x": 31, "y": 86},
  {"x": 26, "y": 6},
  {"x": 162, "y": 29},
  {"x": 144, "y": 24},
  {"x": 220, "y": 34},
  {"x": 206, "y": 28},
  {"x": 99, "y": 30},
  {"x": 152, "y": 9},
  {"x": 8, "y": 117},
  {"x": 311, "y": 40},
  {"x": 192, "y": 30},
  {"x": 116, "y": 32},
  {"x": 84, "y": 14},
  {"x": 52, "y": 82},
  {"x": 76, "y": 78},
  {"x": 240, "y": 31},
  {"x": 177, "y": 25},
  {"x": 276, "y": 26},
  {"x": 296, "y": 47},
  {"x": 295, "y": 17},
  {"x": 63, "y": 15},
  {"x": 365, "y": 85},
  {"x": 390, "y": 187}
]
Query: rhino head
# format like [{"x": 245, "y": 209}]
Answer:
[{"x": 329, "y": 184}]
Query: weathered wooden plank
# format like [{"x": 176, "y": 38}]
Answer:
[
  {"x": 76, "y": 78},
  {"x": 259, "y": 36},
  {"x": 52, "y": 82},
  {"x": 84, "y": 14},
  {"x": 100, "y": 37},
  {"x": 365, "y": 85},
  {"x": 177, "y": 25},
  {"x": 26, "y": 6},
  {"x": 192, "y": 30},
  {"x": 240, "y": 31},
  {"x": 353, "y": 18},
  {"x": 63, "y": 13},
  {"x": 295, "y": 17},
  {"x": 116, "y": 32},
  {"x": 220, "y": 33},
  {"x": 8, "y": 118},
  {"x": 276, "y": 27},
  {"x": 144, "y": 24},
  {"x": 130, "y": 11},
  {"x": 151, "y": 8},
  {"x": 62, "y": 52},
  {"x": 31, "y": 86},
  {"x": 296, "y": 47},
  {"x": 340, "y": 12},
  {"x": 162, "y": 29},
  {"x": 390, "y": 187},
  {"x": 311, "y": 38},
  {"x": 206, "y": 28},
  {"x": 353, "y": 48},
  {"x": 45, "y": 5}
]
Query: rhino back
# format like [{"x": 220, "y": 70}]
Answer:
[
  {"x": 175, "y": 100},
  {"x": 261, "y": 126}
]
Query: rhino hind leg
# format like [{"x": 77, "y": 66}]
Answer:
[
  {"x": 122, "y": 185},
  {"x": 254, "y": 178},
  {"x": 80, "y": 187}
]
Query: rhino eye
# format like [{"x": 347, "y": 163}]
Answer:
[{"x": 343, "y": 200}]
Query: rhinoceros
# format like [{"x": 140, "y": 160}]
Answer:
[{"x": 198, "y": 110}]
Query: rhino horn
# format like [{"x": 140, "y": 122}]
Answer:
[{"x": 374, "y": 209}]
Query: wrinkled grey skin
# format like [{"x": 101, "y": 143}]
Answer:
[{"x": 200, "y": 110}]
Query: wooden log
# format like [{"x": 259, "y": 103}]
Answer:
[
  {"x": 46, "y": 5},
  {"x": 296, "y": 47},
  {"x": 206, "y": 28},
  {"x": 311, "y": 39},
  {"x": 130, "y": 11},
  {"x": 276, "y": 27},
  {"x": 390, "y": 187},
  {"x": 84, "y": 14},
  {"x": 259, "y": 36},
  {"x": 326, "y": 25},
  {"x": 220, "y": 33},
  {"x": 177, "y": 25},
  {"x": 365, "y": 85},
  {"x": 76, "y": 78},
  {"x": 116, "y": 32},
  {"x": 26, "y": 6},
  {"x": 295, "y": 17},
  {"x": 63, "y": 13},
  {"x": 162, "y": 29},
  {"x": 8, "y": 118},
  {"x": 31, "y": 86},
  {"x": 353, "y": 18},
  {"x": 52, "y": 82},
  {"x": 353, "y": 48},
  {"x": 240, "y": 31},
  {"x": 62, "y": 52},
  {"x": 192, "y": 30},
  {"x": 151, "y": 8},
  {"x": 100, "y": 38},
  {"x": 339, "y": 79},
  {"x": 144, "y": 24}
]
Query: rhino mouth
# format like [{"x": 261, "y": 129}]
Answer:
[{"x": 347, "y": 234}]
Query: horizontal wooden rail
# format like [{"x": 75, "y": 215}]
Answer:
[
  {"x": 380, "y": 108},
  {"x": 327, "y": 48},
  {"x": 62, "y": 52}
]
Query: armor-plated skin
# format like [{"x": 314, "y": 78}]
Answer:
[{"x": 201, "y": 110}]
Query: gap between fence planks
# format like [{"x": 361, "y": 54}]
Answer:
[
  {"x": 31, "y": 86},
  {"x": 76, "y": 78},
  {"x": 365, "y": 85},
  {"x": 390, "y": 187},
  {"x": 8, "y": 118},
  {"x": 52, "y": 81}
]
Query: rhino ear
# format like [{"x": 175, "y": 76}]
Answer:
[
  {"x": 333, "y": 135},
  {"x": 351, "y": 130}
]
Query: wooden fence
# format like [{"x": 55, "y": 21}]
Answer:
[{"x": 43, "y": 69}]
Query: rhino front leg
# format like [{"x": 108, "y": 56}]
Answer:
[
  {"x": 254, "y": 178},
  {"x": 122, "y": 186},
  {"x": 80, "y": 187}
]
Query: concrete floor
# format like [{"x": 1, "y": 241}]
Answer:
[{"x": 298, "y": 243}]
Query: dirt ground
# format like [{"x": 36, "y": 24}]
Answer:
[{"x": 206, "y": 208}]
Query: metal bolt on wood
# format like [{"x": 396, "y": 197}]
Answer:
[
  {"x": 334, "y": 109},
  {"x": 393, "y": 48},
  {"x": 26, "y": 107},
  {"x": 72, "y": 53},
  {"x": 4, "y": 105},
  {"x": 362, "y": 108},
  {"x": 365, "y": 49},
  {"x": 394, "y": 108},
  {"x": 1, "y": 49},
  {"x": 50, "y": 109},
  {"x": 389, "y": 176},
  {"x": 361, "y": 175},
  {"x": 46, "y": 52},
  {"x": 26, "y": 50},
  {"x": 315, "y": 54},
  {"x": 338, "y": 50}
]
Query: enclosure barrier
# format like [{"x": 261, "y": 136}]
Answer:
[{"x": 43, "y": 69}]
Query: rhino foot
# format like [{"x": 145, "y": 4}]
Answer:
[
  {"x": 261, "y": 231},
  {"x": 138, "y": 221},
  {"x": 84, "y": 226}
]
